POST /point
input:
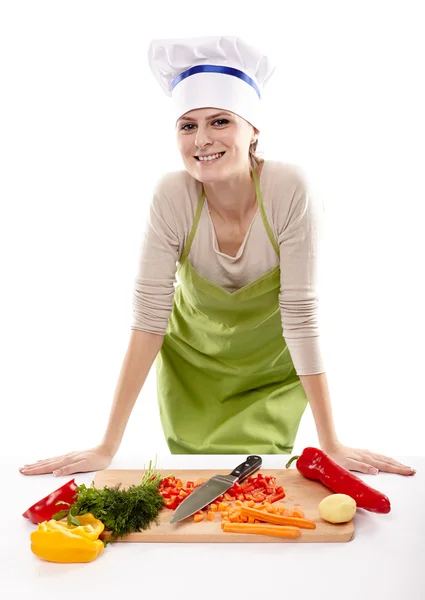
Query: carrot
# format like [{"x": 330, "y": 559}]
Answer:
[
  {"x": 273, "y": 530},
  {"x": 210, "y": 515},
  {"x": 277, "y": 519},
  {"x": 198, "y": 517},
  {"x": 297, "y": 512},
  {"x": 213, "y": 508}
]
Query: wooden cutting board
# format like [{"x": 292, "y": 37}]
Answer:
[{"x": 298, "y": 489}]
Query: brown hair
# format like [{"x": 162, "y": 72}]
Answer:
[{"x": 253, "y": 158}]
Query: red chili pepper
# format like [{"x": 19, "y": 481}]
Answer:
[
  {"x": 44, "y": 509},
  {"x": 315, "y": 464}
]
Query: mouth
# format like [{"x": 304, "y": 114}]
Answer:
[{"x": 209, "y": 158}]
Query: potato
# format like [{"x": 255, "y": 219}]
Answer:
[{"x": 337, "y": 508}]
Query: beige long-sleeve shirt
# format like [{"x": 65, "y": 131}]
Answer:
[{"x": 295, "y": 221}]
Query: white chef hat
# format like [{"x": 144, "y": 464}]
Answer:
[{"x": 219, "y": 72}]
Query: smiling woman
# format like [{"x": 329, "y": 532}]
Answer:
[
  {"x": 218, "y": 142},
  {"x": 236, "y": 342}
]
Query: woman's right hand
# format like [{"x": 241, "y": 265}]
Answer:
[{"x": 95, "y": 459}]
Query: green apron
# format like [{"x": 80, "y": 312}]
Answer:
[{"x": 226, "y": 382}]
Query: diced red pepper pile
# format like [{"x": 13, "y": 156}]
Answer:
[
  {"x": 174, "y": 491},
  {"x": 259, "y": 488}
]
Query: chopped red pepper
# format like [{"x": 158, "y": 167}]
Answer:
[
  {"x": 259, "y": 488},
  {"x": 276, "y": 497}
]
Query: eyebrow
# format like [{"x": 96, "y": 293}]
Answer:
[{"x": 220, "y": 114}]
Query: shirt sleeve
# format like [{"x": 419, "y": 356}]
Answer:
[
  {"x": 299, "y": 233},
  {"x": 161, "y": 247}
]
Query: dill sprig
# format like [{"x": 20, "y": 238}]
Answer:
[{"x": 121, "y": 511}]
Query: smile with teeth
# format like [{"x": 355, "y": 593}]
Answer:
[{"x": 210, "y": 157}]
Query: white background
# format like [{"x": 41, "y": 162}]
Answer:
[{"x": 85, "y": 134}]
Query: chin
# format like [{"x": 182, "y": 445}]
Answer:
[{"x": 209, "y": 174}]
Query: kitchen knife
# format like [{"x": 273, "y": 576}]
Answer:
[{"x": 215, "y": 487}]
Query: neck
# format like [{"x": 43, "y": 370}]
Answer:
[{"x": 232, "y": 199}]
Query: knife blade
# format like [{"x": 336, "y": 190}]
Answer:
[{"x": 215, "y": 487}]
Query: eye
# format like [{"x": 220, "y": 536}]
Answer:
[
  {"x": 187, "y": 127},
  {"x": 221, "y": 122}
]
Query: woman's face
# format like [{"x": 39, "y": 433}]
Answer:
[{"x": 214, "y": 143}]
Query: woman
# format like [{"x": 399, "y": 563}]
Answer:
[{"x": 236, "y": 342}]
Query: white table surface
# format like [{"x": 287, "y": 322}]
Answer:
[{"x": 384, "y": 561}]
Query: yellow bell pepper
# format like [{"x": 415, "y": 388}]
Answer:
[{"x": 56, "y": 541}]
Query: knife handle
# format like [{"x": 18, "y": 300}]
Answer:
[{"x": 252, "y": 463}]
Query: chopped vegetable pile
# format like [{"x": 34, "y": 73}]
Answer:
[
  {"x": 257, "y": 488},
  {"x": 250, "y": 507}
]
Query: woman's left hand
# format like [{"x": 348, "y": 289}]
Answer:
[{"x": 365, "y": 461}]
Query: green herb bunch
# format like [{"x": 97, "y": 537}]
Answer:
[{"x": 121, "y": 511}]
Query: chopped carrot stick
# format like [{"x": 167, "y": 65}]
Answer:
[
  {"x": 297, "y": 512},
  {"x": 277, "y": 519},
  {"x": 273, "y": 530},
  {"x": 210, "y": 515},
  {"x": 198, "y": 517},
  {"x": 213, "y": 508}
]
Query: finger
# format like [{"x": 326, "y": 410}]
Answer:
[
  {"x": 76, "y": 467},
  {"x": 45, "y": 468},
  {"x": 39, "y": 463},
  {"x": 360, "y": 466},
  {"x": 388, "y": 460},
  {"x": 385, "y": 463},
  {"x": 392, "y": 468}
]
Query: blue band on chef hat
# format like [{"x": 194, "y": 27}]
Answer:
[{"x": 215, "y": 69}]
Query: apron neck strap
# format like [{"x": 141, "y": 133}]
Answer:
[{"x": 263, "y": 212}]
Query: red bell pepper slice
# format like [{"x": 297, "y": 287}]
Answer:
[
  {"x": 44, "y": 509},
  {"x": 248, "y": 488},
  {"x": 259, "y": 497},
  {"x": 276, "y": 497}
]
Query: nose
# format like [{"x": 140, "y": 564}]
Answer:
[{"x": 203, "y": 138}]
